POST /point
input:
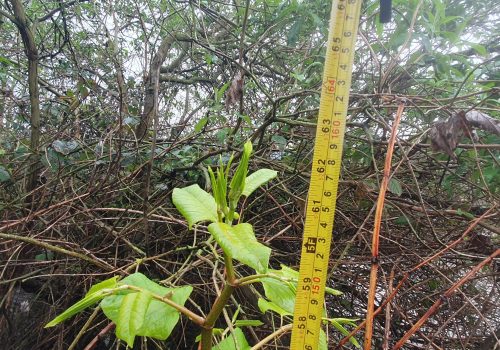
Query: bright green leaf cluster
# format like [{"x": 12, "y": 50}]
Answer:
[
  {"x": 280, "y": 290},
  {"x": 196, "y": 205},
  {"x": 219, "y": 188},
  {"x": 237, "y": 184}
]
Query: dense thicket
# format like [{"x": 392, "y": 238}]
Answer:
[{"x": 107, "y": 106}]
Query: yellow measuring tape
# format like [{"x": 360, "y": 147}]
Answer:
[{"x": 344, "y": 20}]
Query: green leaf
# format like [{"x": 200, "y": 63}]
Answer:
[
  {"x": 280, "y": 141},
  {"x": 45, "y": 256},
  {"x": 110, "y": 283},
  {"x": 219, "y": 187},
  {"x": 465, "y": 214},
  {"x": 395, "y": 187},
  {"x": 337, "y": 324},
  {"x": 257, "y": 179},
  {"x": 238, "y": 181},
  {"x": 157, "y": 321},
  {"x": 239, "y": 242},
  {"x": 195, "y": 204},
  {"x": 265, "y": 306},
  {"x": 52, "y": 159},
  {"x": 332, "y": 291},
  {"x": 215, "y": 331},
  {"x": 201, "y": 124},
  {"x": 401, "y": 220},
  {"x": 293, "y": 33},
  {"x": 132, "y": 316},
  {"x": 222, "y": 135},
  {"x": 79, "y": 306},
  {"x": 5, "y": 61},
  {"x": 247, "y": 119},
  {"x": 282, "y": 289},
  {"x": 480, "y": 49},
  {"x": 95, "y": 294},
  {"x": 433, "y": 284},
  {"x": 299, "y": 76},
  {"x": 220, "y": 92},
  {"x": 248, "y": 323},
  {"x": 4, "y": 174},
  {"x": 323, "y": 342},
  {"x": 491, "y": 175},
  {"x": 398, "y": 38},
  {"x": 235, "y": 341}
]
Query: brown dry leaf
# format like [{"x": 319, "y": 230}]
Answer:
[
  {"x": 445, "y": 136},
  {"x": 235, "y": 91}
]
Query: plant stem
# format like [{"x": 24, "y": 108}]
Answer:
[
  {"x": 251, "y": 279},
  {"x": 213, "y": 315},
  {"x": 100, "y": 263},
  {"x": 230, "y": 274},
  {"x": 277, "y": 333},
  {"x": 257, "y": 277},
  {"x": 84, "y": 328},
  {"x": 206, "y": 339},
  {"x": 220, "y": 303}
]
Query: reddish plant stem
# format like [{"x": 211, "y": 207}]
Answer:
[
  {"x": 99, "y": 336},
  {"x": 376, "y": 229}
]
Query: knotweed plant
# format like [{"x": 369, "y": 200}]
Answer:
[{"x": 141, "y": 307}]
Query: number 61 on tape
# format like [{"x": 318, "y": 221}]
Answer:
[{"x": 323, "y": 187}]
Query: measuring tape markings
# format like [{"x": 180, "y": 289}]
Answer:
[{"x": 325, "y": 172}]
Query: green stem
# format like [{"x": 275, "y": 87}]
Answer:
[
  {"x": 206, "y": 339},
  {"x": 220, "y": 303},
  {"x": 256, "y": 278},
  {"x": 251, "y": 279},
  {"x": 230, "y": 273},
  {"x": 213, "y": 315}
]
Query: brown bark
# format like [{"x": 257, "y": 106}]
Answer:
[
  {"x": 31, "y": 51},
  {"x": 150, "y": 107}
]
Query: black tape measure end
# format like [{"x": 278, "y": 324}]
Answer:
[{"x": 385, "y": 11}]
